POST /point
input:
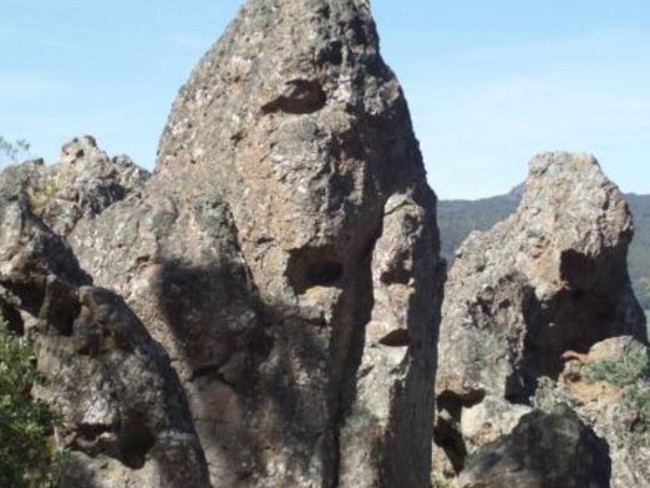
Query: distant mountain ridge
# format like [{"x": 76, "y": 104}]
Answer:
[{"x": 457, "y": 218}]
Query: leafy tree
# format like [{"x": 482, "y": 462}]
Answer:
[
  {"x": 13, "y": 151},
  {"x": 27, "y": 459}
]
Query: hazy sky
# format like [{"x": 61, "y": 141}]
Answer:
[{"x": 490, "y": 83}]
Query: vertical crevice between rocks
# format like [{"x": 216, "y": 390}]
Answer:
[{"x": 347, "y": 346}]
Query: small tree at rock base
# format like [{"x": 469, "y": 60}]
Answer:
[{"x": 27, "y": 459}]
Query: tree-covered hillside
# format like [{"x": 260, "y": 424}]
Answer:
[{"x": 457, "y": 218}]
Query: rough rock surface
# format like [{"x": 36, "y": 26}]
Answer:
[
  {"x": 84, "y": 183},
  {"x": 617, "y": 406},
  {"x": 548, "y": 282},
  {"x": 284, "y": 254},
  {"x": 123, "y": 409},
  {"x": 175, "y": 259},
  {"x": 295, "y": 131},
  {"x": 543, "y": 451}
]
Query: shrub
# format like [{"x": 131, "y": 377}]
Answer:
[
  {"x": 632, "y": 373},
  {"x": 27, "y": 459},
  {"x": 623, "y": 372},
  {"x": 40, "y": 195}
]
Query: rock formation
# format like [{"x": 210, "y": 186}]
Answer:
[
  {"x": 544, "y": 285},
  {"x": 121, "y": 403},
  {"x": 263, "y": 310},
  {"x": 85, "y": 183},
  {"x": 543, "y": 451},
  {"x": 283, "y": 259},
  {"x": 609, "y": 387}
]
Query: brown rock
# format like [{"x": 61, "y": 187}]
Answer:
[
  {"x": 609, "y": 389},
  {"x": 283, "y": 260},
  {"x": 285, "y": 254},
  {"x": 538, "y": 289}
]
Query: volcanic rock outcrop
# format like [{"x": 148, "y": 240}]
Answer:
[
  {"x": 522, "y": 299},
  {"x": 283, "y": 256},
  {"x": 124, "y": 415}
]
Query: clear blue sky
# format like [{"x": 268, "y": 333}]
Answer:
[{"x": 490, "y": 83}]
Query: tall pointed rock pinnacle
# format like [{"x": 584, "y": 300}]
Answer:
[
  {"x": 294, "y": 120},
  {"x": 270, "y": 296}
]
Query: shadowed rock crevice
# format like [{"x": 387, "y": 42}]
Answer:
[
  {"x": 11, "y": 315},
  {"x": 346, "y": 349},
  {"x": 309, "y": 267},
  {"x": 135, "y": 440},
  {"x": 446, "y": 434},
  {"x": 299, "y": 97}
]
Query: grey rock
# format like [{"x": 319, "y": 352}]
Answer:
[
  {"x": 176, "y": 260},
  {"x": 84, "y": 183},
  {"x": 548, "y": 282},
  {"x": 274, "y": 286},
  {"x": 285, "y": 253},
  {"x": 121, "y": 404},
  {"x": 543, "y": 451},
  {"x": 616, "y": 406}
]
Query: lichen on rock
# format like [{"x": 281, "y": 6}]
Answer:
[{"x": 539, "y": 288}]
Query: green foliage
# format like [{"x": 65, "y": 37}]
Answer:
[
  {"x": 438, "y": 482},
  {"x": 621, "y": 373},
  {"x": 633, "y": 374},
  {"x": 27, "y": 459},
  {"x": 12, "y": 151}
]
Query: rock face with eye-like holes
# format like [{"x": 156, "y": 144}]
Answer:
[{"x": 285, "y": 254}]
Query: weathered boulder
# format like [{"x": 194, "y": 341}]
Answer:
[
  {"x": 543, "y": 451},
  {"x": 123, "y": 409},
  {"x": 609, "y": 387},
  {"x": 549, "y": 281},
  {"x": 285, "y": 254}
]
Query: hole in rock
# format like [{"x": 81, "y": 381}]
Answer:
[
  {"x": 396, "y": 338},
  {"x": 309, "y": 267},
  {"x": 135, "y": 441},
  {"x": 324, "y": 274},
  {"x": 446, "y": 432},
  {"x": 300, "y": 97}
]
